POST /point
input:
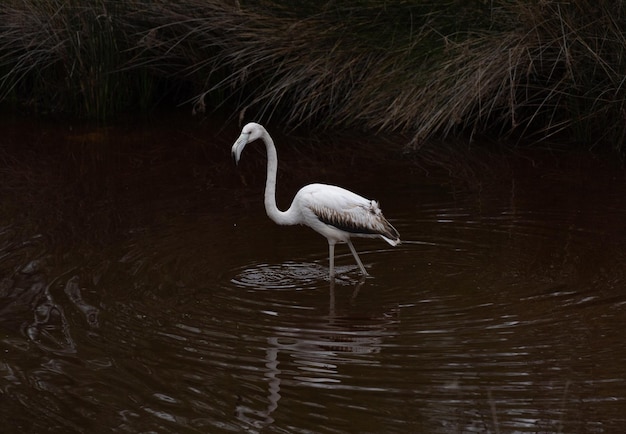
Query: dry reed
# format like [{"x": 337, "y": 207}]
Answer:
[{"x": 510, "y": 68}]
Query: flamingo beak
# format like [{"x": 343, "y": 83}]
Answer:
[{"x": 241, "y": 143}]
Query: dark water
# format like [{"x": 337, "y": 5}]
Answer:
[{"x": 143, "y": 289}]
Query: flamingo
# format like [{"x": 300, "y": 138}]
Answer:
[{"x": 334, "y": 212}]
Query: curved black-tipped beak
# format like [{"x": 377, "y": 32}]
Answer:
[{"x": 237, "y": 149}]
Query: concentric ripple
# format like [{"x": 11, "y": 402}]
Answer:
[{"x": 276, "y": 277}]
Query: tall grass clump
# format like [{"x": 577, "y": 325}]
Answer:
[
  {"x": 524, "y": 70},
  {"x": 66, "y": 56},
  {"x": 537, "y": 70},
  {"x": 310, "y": 63}
]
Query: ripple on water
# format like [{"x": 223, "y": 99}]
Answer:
[
  {"x": 290, "y": 275},
  {"x": 276, "y": 277}
]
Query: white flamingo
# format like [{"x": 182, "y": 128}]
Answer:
[{"x": 334, "y": 212}]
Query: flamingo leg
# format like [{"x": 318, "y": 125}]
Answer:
[
  {"x": 331, "y": 258},
  {"x": 358, "y": 260}
]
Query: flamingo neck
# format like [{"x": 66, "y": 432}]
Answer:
[{"x": 278, "y": 216}]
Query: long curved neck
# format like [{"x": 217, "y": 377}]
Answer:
[{"x": 280, "y": 217}]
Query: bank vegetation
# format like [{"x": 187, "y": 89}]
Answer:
[{"x": 525, "y": 71}]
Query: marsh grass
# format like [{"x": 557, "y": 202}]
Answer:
[
  {"x": 65, "y": 56},
  {"x": 513, "y": 69}
]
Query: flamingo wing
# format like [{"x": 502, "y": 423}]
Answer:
[{"x": 347, "y": 211}]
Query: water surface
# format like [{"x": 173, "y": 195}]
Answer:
[{"x": 143, "y": 289}]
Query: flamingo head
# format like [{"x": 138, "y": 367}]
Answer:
[{"x": 249, "y": 133}]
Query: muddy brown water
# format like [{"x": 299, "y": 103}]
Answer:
[{"x": 143, "y": 289}]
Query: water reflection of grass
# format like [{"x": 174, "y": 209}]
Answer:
[{"x": 509, "y": 68}]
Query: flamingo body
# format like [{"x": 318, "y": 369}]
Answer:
[{"x": 334, "y": 212}]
